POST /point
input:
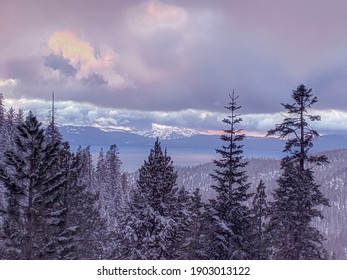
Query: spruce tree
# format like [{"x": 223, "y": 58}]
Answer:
[
  {"x": 108, "y": 178},
  {"x": 19, "y": 116},
  {"x": 88, "y": 235},
  {"x": 53, "y": 133},
  {"x": 33, "y": 182},
  {"x": 126, "y": 189},
  {"x": 230, "y": 220},
  {"x": 112, "y": 192},
  {"x": 298, "y": 199},
  {"x": 8, "y": 129},
  {"x": 2, "y": 110},
  {"x": 260, "y": 212},
  {"x": 74, "y": 200},
  {"x": 100, "y": 171},
  {"x": 196, "y": 248},
  {"x": 87, "y": 173},
  {"x": 150, "y": 225},
  {"x": 101, "y": 183},
  {"x": 182, "y": 214},
  {"x": 5, "y": 142}
]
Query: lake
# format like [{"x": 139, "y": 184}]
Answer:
[{"x": 133, "y": 157}]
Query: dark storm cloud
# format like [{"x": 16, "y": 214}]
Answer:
[{"x": 59, "y": 63}]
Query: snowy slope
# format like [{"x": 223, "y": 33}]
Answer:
[{"x": 165, "y": 132}]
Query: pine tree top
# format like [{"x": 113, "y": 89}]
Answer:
[
  {"x": 157, "y": 171},
  {"x": 296, "y": 127},
  {"x": 229, "y": 173}
]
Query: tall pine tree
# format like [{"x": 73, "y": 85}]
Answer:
[
  {"x": 230, "y": 220},
  {"x": 32, "y": 226},
  {"x": 2, "y": 110},
  {"x": 150, "y": 227},
  {"x": 260, "y": 212},
  {"x": 298, "y": 200},
  {"x": 89, "y": 236},
  {"x": 8, "y": 129},
  {"x": 109, "y": 181},
  {"x": 196, "y": 247}
]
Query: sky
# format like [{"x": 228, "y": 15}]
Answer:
[{"x": 134, "y": 64}]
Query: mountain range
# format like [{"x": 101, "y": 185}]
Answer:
[{"x": 173, "y": 137}]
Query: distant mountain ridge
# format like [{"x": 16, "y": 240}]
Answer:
[{"x": 173, "y": 137}]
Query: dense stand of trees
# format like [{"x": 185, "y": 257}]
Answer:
[{"x": 56, "y": 204}]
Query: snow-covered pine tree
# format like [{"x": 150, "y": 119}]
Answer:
[
  {"x": 112, "y": 192},
  {"x": 196, "y": 248},
  {"x": 260, "y": 212},
  {"x": 8, "y": 130},
  {"x": 11, "y": 118},
  {"x": 66, "y": 247},
  {"x": 230, "y": 219},
  {"x": 88, "y": 235},
  {"x": 19, "y": 116},
  {"x": 100, "y": 170},
  {"x": 108, "y": 178},
  {"x": 181, "y": 213},
  {"x": 53, "y": 133},
  {"x": 87, "y": 173},
  {"x": 150, "y": 225},
  {"x": 2, "y": 110},
  {"x": 2, "y": 148},
  {"x": 298, "y": 199},
  {"x": 101, "y": 183},
  {"x": 125, "y": 187},
  {"x": 33, "y": 183}
]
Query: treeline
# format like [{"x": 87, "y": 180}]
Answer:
[{"x": 57, "y": 204}]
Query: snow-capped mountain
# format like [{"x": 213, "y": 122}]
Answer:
[
  {"x": 175, "y": 137},
  {"x": 166, "y": 132},
  {"x": 94, "y": 136},
  {"x": 163, "y": 132}
]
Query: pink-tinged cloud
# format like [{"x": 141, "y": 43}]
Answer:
[
  {"x": 83, "y": 57},
  {"x": 154, "y": 15}
]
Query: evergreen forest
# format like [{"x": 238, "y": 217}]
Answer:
[{"x": 60, "y": 204}]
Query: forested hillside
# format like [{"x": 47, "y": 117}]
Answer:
[
  {"x": 59, "y": 204},
  {"x": 332, "y": 177}
]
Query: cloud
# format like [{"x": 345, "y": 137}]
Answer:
[
  {"x": 333, "y": 121},
  {"x": 175, "y": 61},
  {"x": 57, "y": 62},
  {"x": 153, "y": 16},
  {"x": 8, "y": 83},
  {"x": 82, "y": 57},
  {"x": 72, "y": 113}
]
